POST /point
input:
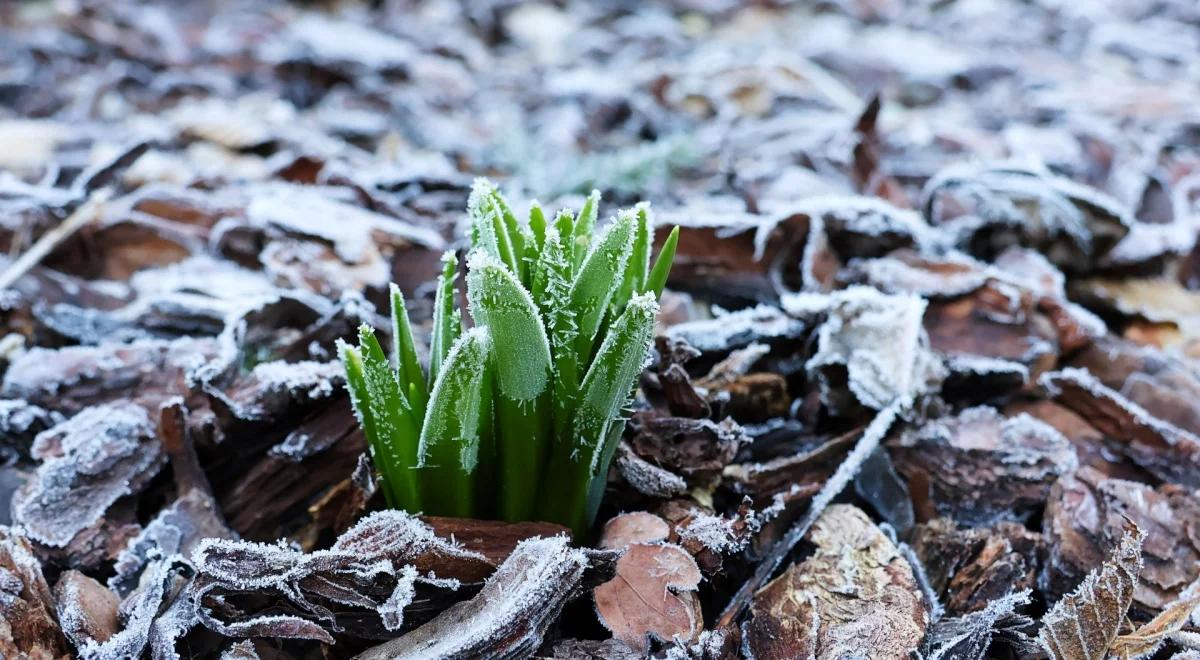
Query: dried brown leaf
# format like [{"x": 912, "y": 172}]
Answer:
[
  {"x": 871, "y": 348},
  {"x": 633, "y": 527},
  {"x": 364, "y": 569},
  {"x": 1150, "y": 636},
  {"x": 1083, "y": 625},
  {"x": 652, "y": 596}
]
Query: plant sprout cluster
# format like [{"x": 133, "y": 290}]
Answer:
[{"x": 516, "y": 418}]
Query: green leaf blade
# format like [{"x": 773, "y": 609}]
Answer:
[
  {"x": 447, "y": 321},
  {"x": 522, "y": 367},
  {"x": 537, "y": 228},
  {"x": 396, "y": 432},
  {"x": 597, "y": 282},
  {"x": 585, "y": 226},
  {"x": 662, "y": 265},
  {"x": 613, "y": 374},
  {"x": 633, "y": 280},
  {"x": 404, "y": 351},
  {"x": 605, "y": 391},
  {"x": 499, "y": 301},
  {"x": 458, "y": 419}
]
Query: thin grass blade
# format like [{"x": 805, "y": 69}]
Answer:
[
  {"x": 585, "y": 226},
  {"x": 404, "y": 353},
  {"x": 447, "y": 321},
  {"x": 662, "y": 265}
]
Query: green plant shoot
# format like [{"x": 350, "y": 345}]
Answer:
[{"x": 517, "y": 418}]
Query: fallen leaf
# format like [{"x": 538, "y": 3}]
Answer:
[
  {"x": 1083, "y": 625},
  {"x": 364, "y": 569},
  {"x": 653, "y": 596},
  {"x": 633, "y": 527},
  {"x": 1150, "y": 636},
  {"x": 871, "y": 348}
]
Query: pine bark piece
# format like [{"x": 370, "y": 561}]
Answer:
[
  {"x": 1092, "y": 447},
  {"x": 971, "y": 568},
  {"x": 998, "y": 320},
  {"x": 494, "y": 539},
  {"x": 87, "y": 610},
  {"x": 653, "y": 596},
  {"x": 755, "y": 397},
  {"x": 1085, "y": 622},
  {"x": 646, "y": 477},
  {"x": 804, "y": 471},
  {"x": 89, "y": 463},
  {"x": 1076, "y": 327},
  {"x": 855, "y": 592},
  {"x": 1088, "y": 512},
  {"x": 28, "y": 627},
  {"x": 1168, "y": 452},
  {"x": 697, "y": 449},
  {"x": 681, "y": 396},
  {"x": 72, "y": 378},
  {"x": 508, "y": 618},
  {"x": 1158, "y": 381},
  {"x": 318, "y": 453},
  {"x": 980, "y": 467}
]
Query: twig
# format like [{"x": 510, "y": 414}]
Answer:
[
  {"x": 86, "y": 212},
  {"x": 766, "y": 568}
]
